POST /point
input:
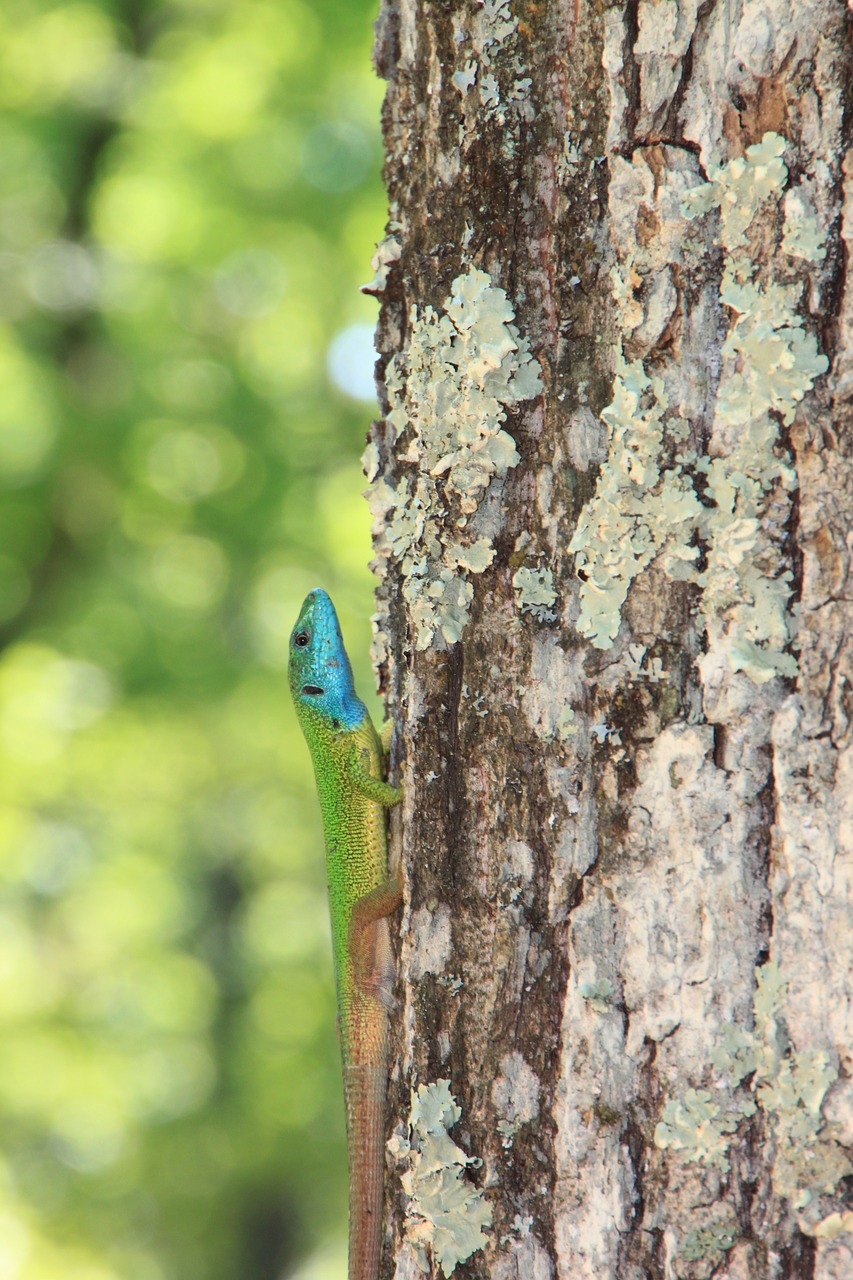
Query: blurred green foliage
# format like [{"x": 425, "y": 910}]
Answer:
[{"x": 189, "y": 197}]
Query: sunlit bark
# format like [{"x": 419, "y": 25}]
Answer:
[{"x": 629, "y": 781}]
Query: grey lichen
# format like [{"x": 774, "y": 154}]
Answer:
[
  {"x": 769, "y": 363},
  {"x": 387, "y": 252},
  {"x": 491, "y": 33},
  {"x": 637, "y": 512},
  {"x": 698, "y": 1127},
  {"x": 802, "y": 236},
  {"x": 464, "y": 367},
  {"x": 598, "y": 993},
  {"x": 534, "y": 591},
  {"x": 647, "y": 507},
  {"x": 738, "y": 188},
  {"x": 705, "y": 1242},
  {"x": 565, "y": 726},
  {"x": 806, "y": 1164},
  {"x": 569, "y": 162},
  {"x": 787, "y": 1087},
  {"x": 445, "y": 1213}
]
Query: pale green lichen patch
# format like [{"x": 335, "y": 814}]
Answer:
[
  {"x": 741, "y": 1051},
  {"x": 445, "y": 1213},
  {"x": 705, "y": 1242},
  {"x": 637, "y": 512},
  {"x": 698, "y": 1127},
  {"x": 387, "y": 253},
  {"x": 739, "y": 187},
  {"x": 370, "y": 461},
  {"x": 647, "y": 505},
  {"x": 788, "y": 1088},
  {"x": 491, "y": 34},
  {"x": 769, "y": 363},
  {"x": 745, "y": 590},
  {"x": 569, "y": 162},
  {"x": 598, "y": 993},
  {"x": 806, "y": 1164},
  {"x": 565, "y": 726},
  {"x": 534, "y": 591},
  {"x": 775, "y": 362},
  {"x": 802, "y": 236},
  {"x": 463, "y": 369}
]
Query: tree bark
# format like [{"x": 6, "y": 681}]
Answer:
[{"x": 613, "y": 503}]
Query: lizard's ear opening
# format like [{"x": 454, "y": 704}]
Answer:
[{"x": 313, "y": 689}]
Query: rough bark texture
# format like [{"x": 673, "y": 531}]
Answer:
[{"x": 609, "y": 826}]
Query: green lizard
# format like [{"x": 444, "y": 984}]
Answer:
[{"x": 347, "y": 757}]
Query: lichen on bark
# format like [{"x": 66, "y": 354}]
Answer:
[{"x": 609, "y": 839}]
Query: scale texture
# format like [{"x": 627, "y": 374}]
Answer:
[{"x": 347, "y": 756}]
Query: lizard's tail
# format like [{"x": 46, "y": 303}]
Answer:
[{"x": 364, "y": 1095}]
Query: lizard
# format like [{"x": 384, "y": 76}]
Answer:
[{"x": 347, "y": 756}]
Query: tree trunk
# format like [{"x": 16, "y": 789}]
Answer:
[{"x": 612, "y": 500}]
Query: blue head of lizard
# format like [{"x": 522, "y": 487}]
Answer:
[{"x": 319, "y": 669}]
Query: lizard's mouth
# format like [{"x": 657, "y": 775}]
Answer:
[{"x": 312, "y": 689}]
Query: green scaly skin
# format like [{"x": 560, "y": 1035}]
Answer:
[{"x": 347, "y": 756}]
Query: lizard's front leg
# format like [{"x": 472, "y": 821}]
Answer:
[{"x": 374, "y": 788}]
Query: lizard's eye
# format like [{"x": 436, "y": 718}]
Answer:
[
  {"x": 301, "y": 639},
  {"x": 313, "y": 689}
]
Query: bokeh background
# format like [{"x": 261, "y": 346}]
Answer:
[{"x": 189, "y": 198}]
